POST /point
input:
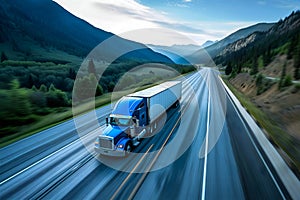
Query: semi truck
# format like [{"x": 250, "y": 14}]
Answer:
[{"x": 136, "y": 116}]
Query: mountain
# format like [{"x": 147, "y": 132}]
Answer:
[
  {"x": 181, "y": 50},
  {"x": 176, "y": 53},
  {"x": 281, "y": 31},
  {"x": 282, "y": 37},
  {"x": 207, "y": 43},
  {"x": 173, "y": 56},
  {"x": 214, "y": 49},
  {"x": 30, "y": 29}
]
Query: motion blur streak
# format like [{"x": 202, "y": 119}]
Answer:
[{"x": 54, "y": 164}]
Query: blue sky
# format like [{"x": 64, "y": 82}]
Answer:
[
  {"x": 199, "y": 20},
  {"x": 225, "y": 10}
]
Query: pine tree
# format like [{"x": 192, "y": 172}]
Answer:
[
  {"x": 282, "y": 77},
  {"x": 254, "y": 69},
  {"x": 92, "y": 68},
  {"x": 43, "y": 88},
  {"x": 267, "y": 56},
  {"x": 297, "y": 60},
  {"x": 292, "y": 47},
  {"x": 72, "y": 74},
  {"x": 228, "y": 69},
  {"x": 3, "y": 57}
]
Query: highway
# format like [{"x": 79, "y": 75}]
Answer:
[{"x": 204, "y": 150}]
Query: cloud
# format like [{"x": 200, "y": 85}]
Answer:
[
  {"x": 181, "y": 5},
  {"x": 262, "y": 2},
  {"x": 187, "y": 1},
  {"x": 119, "y": 16},
  {"x": 288, "y": 4}
]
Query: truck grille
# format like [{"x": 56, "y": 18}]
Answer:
[{"x": 106, "y": 143}]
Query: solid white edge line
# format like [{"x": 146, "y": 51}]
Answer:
[
  {"x": 289, "y": 180},
  {"x": 34, "y": 164},
  {"x": 206, "y": 147}
]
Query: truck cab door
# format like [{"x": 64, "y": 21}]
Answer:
[{"x": 142, "y": 114}]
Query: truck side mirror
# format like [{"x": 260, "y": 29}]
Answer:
[{"x": 106, "y": 120}]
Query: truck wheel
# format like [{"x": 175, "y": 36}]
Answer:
[{"x": 128, "y": 148}]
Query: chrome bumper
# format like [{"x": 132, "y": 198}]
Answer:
[{"x": 110, "y": 152}]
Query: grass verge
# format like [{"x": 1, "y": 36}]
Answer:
[{"x": 274, "y": 132}]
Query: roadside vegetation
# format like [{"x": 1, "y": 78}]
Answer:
[
  {"x": 264, "y": 76},
  {"x": 275, "y": 133},
  {"x": 35, "y": 95}
]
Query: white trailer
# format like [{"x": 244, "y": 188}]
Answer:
[{"x": 160, "y": 98}]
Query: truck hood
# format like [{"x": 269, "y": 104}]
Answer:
[{"x": 114, "y": 131}]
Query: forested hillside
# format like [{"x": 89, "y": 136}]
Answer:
[
  {"x": 257, "y": 53},
  {"x": 264, "y": 69},
  {"x": 219, "y": 46},
  {"x": 42, "y": 47}
]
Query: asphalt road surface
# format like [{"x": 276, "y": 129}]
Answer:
[{"x": 203, "y": 149}]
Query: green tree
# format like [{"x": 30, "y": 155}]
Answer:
[
  {"x": 99, "y": 90},
  {"x": 282, "y": 77},
  {"x": 4, "y": 102},
  {"x": 43, "y": 88},
  {"x": 267, "y": 56},
  {"x": 68, "y": 84},
  {"x": 18, "y": 100},
  {"x": 3, "y": 57},
  {"x": 228, "y": 68},
  {"x": 254, "y": 69},
  {"x": 33, "y": 88},
  {"x": 111, "y": 86},
  {"x": 86, "y": 87},
  {"x": 292, "y": 47},
  {"x": 92, "y": 68},
  {"x": 56, "y": 98},
  {"x": 287, "y": 81},
  {"x": 52, "y": 88},
  {"x": 297, "y": 60},
  {"x": 38, "y": 99},
  {"x": 14, "y": 84},
  {"x": 72, "y": 73}
]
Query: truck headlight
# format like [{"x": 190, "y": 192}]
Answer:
[{"x": 120, "y": 146}]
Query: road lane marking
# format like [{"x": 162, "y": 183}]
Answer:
[
  {"x": 138, "y": 185},
  {"x": 150, "y": 166},
  {"x": 261, "y": 157},
  {"x": 38, "y": 162},
  {"x": 253, "y": 143},
  {"x": 63, "y": 148},
  {"x": 130, "y": 174},
  {"x": 206, "y": 147}
]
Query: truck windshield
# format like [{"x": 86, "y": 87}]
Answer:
[{"x": 119, "y": 121}]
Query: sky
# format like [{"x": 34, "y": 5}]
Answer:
[{"x": 191, "y": 21}]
